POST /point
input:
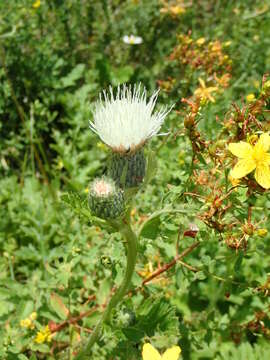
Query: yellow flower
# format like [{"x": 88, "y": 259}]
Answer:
[
  {"x": 44, "y": 335},
  {"x": 102, "y": 146},
  {"x": 150, "y": 353},
  {"x": 177, "y": 10},
  {"x": 262, "y": 232},
  {"x": 205, "y": 92},
  {"x": 266, "y": 85},
  {"x": 233, "y": 181},
  {"x": 36, "y": 4},
  {"x": 27, "y": 324},
  {"x": 250, "y": 97},
  {"x": 200, "y": 41},
  {"x": 252, "y": 158},
  {"x": 33, "y": 316}
]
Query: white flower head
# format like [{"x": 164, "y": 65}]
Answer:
[
  {"x": 126, "y": 121},
  {"x": 132, "y": 39}
]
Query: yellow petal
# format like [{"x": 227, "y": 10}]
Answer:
[
  {"x": 172, "y": 353},
  {"x": 262, "y": 175},
  {"x": 241, "y": 149},
  {"x": 242, "y": 168},
  {"x": 202, "y": 83},
  {"x": 264, "y": 142},
  {"x": 150, "y": 353}
]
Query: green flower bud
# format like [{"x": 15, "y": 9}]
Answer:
[
  {"x": 128, "y": 170},
  {"x": 105, "y": 199}
]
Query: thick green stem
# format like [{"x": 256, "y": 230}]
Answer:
[{"x": 131, "y": 240}]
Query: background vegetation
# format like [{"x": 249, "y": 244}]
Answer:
[{"x": 57, "y": 270}]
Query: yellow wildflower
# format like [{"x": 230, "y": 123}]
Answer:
[
  {"x": 36, "y": 4},
  {"x": 266, "y": 85},
  {"x": 256, "y": 83},
  {"x": 86, "y": 190},
  {"x": 200, "y": 41},
  {"x": 233, "y": 181},
  {"x": 205, "y": 92},
  {"x": 27, "y": 324},
  {"x": 253, "y": 158},
  {"x": 177, "y": 10},
  {"x": 250, "y": 97},
  {"x": 147, "y": 270},
  {"x": 252, "y": 139},
  {"x": 150, "y": 353},
  {"x": 44, "y": 335},
  {"x": 262, "y": 232},
  {"x": 33, "y": 316},
  {"x": 101, "y": 146},
  {"x": 60, "y": 165},
  {"x": 223, "y": 80}
]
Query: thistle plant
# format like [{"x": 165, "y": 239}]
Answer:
[{"x": 125, "y": 123}]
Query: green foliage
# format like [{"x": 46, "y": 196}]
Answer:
[{"x": 60, "y": 261}]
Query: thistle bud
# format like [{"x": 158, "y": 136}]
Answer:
[
  {"x": 105, "y": 199},
  {"x": 128, "y": 170}
]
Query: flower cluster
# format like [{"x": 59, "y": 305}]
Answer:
[
  {"x": 200, "y": 54},
  {"x": 44, "y": 335},
  {"x": 28, "y": 323},
  {"x": 173, "y": 8},
  {"x": 244, "y": 135},
  {"x": 209, "y": 59}
]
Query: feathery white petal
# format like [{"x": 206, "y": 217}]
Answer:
[{"x": 126, "y": 120}]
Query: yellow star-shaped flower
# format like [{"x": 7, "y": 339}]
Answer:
[
  {"x": 205, "y": 92},
  {"x": 253, "y": 157},
  {"x": 150, "y": 353},
  {"x": 36, "y": 4}
]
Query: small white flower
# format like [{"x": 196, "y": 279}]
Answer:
[
  {"x": 132, "y": 39},
  {"x": 126, "y": 121}
]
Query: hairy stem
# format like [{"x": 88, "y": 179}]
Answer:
[{"x": 131, "y": 241}]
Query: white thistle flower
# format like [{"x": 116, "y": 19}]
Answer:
[
  {"x": 126, "y": 121},
  {"x": 132, "y": 39}
]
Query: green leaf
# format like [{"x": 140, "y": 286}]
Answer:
[
  {"x": 58, "y": 306},
  {"x": 238, "y": 262},
  {"x": 201, "y": 159},
  {"x": 121, "y": 75},
  {"x": 73, "y": 76},
  {"x": 151, "y": 169},
  {"x": 133, "y": 334},
  {"x": 23, "y": 357},
  {"x": 151, "y": 229}
]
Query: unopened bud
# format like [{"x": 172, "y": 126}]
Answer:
[
  {"x": 248, "y": 228},
  {"x": 105, "y": 199},
  {"x": 189, "y": 122},
  {"x": 262, "y": 232}
]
